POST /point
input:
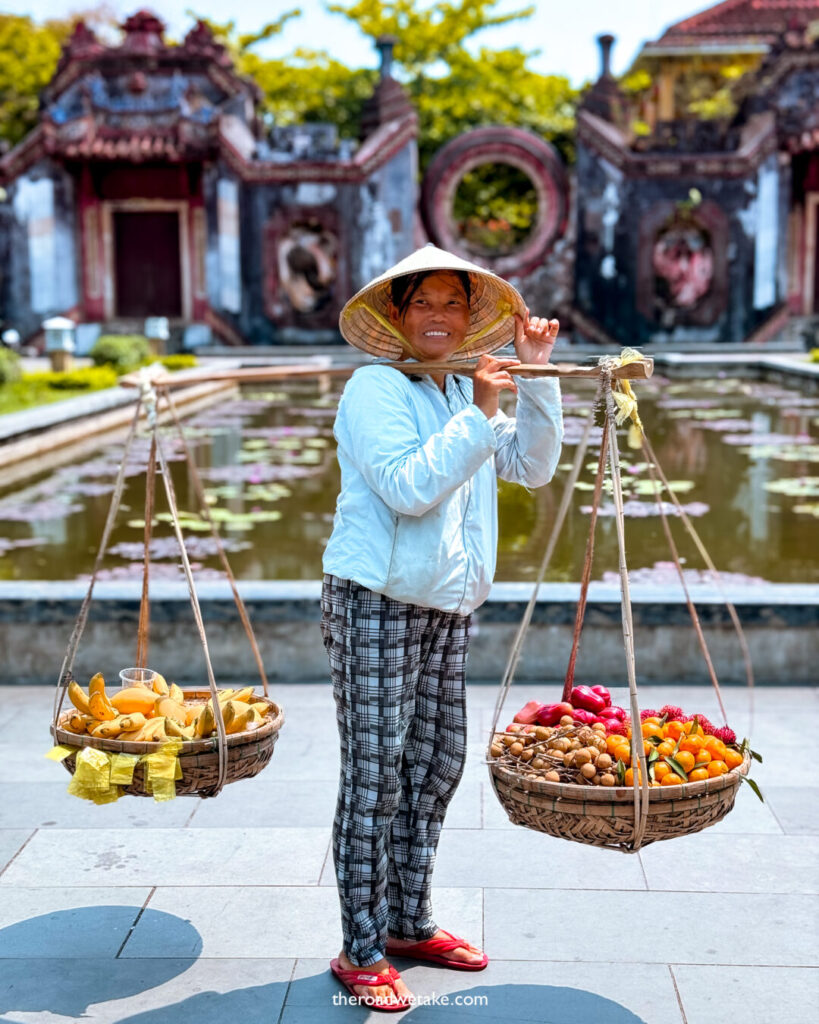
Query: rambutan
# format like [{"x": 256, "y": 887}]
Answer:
[
  {"x": 672, "y": 713},
  {"x": 704, "y": 724},
  {"x": 728, "y": 736},
  {"x": 648, "y": 713}
]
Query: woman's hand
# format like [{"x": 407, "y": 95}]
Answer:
[
  {"x": 535, "y": 339},
  {"x": 489, "y": 379}
]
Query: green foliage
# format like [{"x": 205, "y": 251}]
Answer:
[
  {"x": 28, "y": 59},
  {"x": 9, "y": 366},
  {"x": 179, "y": 361},
  {"x": 814, "y": 355},
  {"x": 495, "y": 206},
  {"x": 34, "y": 389},
  {"x": 452, "y": 89},
  {"x": 125, "y": 352},
  {"x": 87, "y": 378}
]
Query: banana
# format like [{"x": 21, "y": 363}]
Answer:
[
  {"x": 132, "y": 722},
  {"x": 134, "y": 699},
  {"x": 160, "y": 685},
  {"x": 205, "y": 723},
  {"x": 107, "y": 730},
  {"x": 152, "y": 732},
  {"x": 224, "y": 695},
  {"x": 261, "y": 706},
  {"x": 236, "y": 716},
  {"x": 75, "y": 722},
  {"x": 177, "y": 694},
  {"x": 184, "y": 732},
  {"x": 78, "y": 698},
  {"x": 192, "y": 712},
  {"x": 98, "y": 703},
  {"x": 167, "y": 708},
  {"x": 243, "y": 695}
]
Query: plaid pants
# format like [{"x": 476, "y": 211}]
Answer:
[{"x": 398, "y": 674}]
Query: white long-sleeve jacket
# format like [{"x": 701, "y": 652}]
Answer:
[{"x": 416, "y": 518}]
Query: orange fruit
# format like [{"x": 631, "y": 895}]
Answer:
[
  {"x": 698, "y": 775},
  {"x": 661, "y": 770},
  {"x": 653, "y": 719},
  {"x": 703, "y": 757},
  {"x": 630, "y": 776},
  {"x": 666, "y": 748},
  {"x": 686, "y": 759},
  {"x": 672, "y": 780},
  {"x": 717, "y": 768},
  {"x": 692, "y": 743},
  {"x": 622, "y": 753},
  {"x": 674, "y": 730},
  {"x": 649, "y": 728},
  {"x": 733, "y": 758},
  {"x": 715, "y": 747},
  {"x": 613, "y": 742}
]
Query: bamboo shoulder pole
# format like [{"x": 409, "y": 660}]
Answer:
[{"x": 638, "y": 370}]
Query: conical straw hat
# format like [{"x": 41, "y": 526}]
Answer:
[{"x": 365, "y": 323}]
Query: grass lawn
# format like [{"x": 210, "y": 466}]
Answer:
[{"x": 33, "y": 389}]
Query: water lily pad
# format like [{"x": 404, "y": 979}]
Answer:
[
  {"x": 9, "y": 544},
  {"x": 635, "y": 509},
  {"x": 795, "y": 487},
  {"x": 665, "y": 574},
  {"x": 792, "y": 453},
  {"x": 651, "y": 487}
]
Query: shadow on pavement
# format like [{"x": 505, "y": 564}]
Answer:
[{"x": 80, "y": 945}]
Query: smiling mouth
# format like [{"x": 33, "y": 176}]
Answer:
[{"x": 436, "y": 334}]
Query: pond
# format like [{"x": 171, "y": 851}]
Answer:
[{"x": 743, "y": 456}]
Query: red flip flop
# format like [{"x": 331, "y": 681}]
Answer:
[
  {"x": 434, "y": 949},
  {"x": 361, "y": 976}
]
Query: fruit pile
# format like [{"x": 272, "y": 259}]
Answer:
[
  {"x": 144, "y": 715},
  {"x": 569, "y": 748}
]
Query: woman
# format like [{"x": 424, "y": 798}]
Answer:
[{"x": 412, "y": 553}]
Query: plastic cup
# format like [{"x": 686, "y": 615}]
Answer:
[{"x": 138, "y": 677}]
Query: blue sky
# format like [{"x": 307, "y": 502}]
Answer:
[{"x": 564, "y": 33}]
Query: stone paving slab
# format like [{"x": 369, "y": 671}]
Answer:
[
  {"x": 757, "y": 995},
  {"x": 155, "y": 991},
  {"x": 658, "y": 927},
  {"x": 63, "y": 922},
  {"x": 49, "y": 805},
  {"x": 705, "y": 862},
  {"x": 212, "y": 952},
  {"x": 796, "y": 808},
  {"x": 520, "y": 864},
  {"x": 270, "y": 921},
  {"x": 11, "y": 841},
  {"x": 171, "y": 857},
  {"x": 546, "y": 993}
]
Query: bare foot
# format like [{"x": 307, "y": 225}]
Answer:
[
  {"x": 383, "y": 993},
  {"x": 468, "y": 954}
]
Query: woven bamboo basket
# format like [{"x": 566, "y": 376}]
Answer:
[
  {"x": 605, "y": 817},
  {"x": 247, "y": 753}
]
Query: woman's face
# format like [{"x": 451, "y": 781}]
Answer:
[{"x": 437, "y": 319}]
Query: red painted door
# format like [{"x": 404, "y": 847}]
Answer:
[{"x": 147, "y": 265}]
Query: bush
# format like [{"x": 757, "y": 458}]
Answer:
[
  {"x": 125, "y": 352},
  {"x": 9, "y": 366},
  {"x": 179, "y": 361},
  {"x": 91, "y": 378}
]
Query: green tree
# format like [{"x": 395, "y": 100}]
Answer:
[{"x": 28, "y": 58}]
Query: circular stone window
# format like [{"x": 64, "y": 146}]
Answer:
[
  {"x": 497, "y": 196},
  {"x": 495, "y": 209}
]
